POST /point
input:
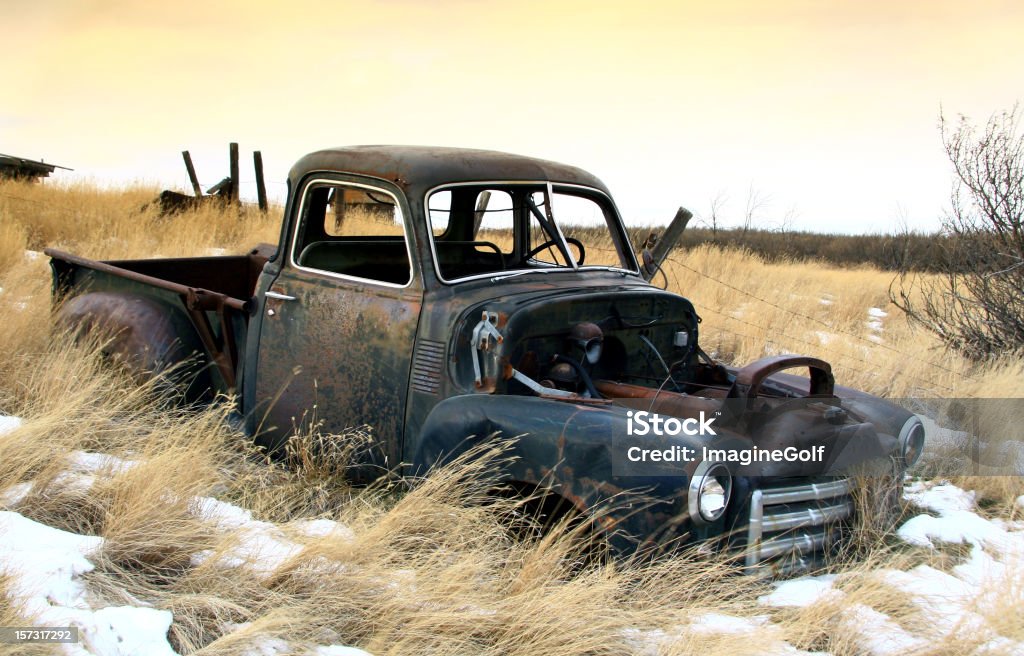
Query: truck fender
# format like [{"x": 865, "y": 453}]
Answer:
[
  {"x": 562, "y": 447},
  {"x": 147, "y": 338}
]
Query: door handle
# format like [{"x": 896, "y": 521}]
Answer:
[{"x": 274, "y": 300}]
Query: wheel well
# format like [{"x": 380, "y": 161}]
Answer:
[
  {"x": 541, "y": 507},
  {"x": 145, "y": 337}
]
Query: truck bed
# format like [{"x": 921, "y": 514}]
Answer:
[
  {"x": 230, "y": 276},
  {"x": 213, "y": 296}
]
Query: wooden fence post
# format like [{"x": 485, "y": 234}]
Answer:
[
  {"x": 261, "y": 188},
  {"x": 233, "y": 192},
  {"x": 654, "y": 258},
  {"x": 192, "y": 174}
]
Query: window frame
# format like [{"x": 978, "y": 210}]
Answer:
[
  {"x": 300, "y": 222},
  {"x": 552, "y": 188}
]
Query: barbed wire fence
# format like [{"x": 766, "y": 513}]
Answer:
[{"x": 871, "y": 366}]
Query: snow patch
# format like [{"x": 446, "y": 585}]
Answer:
[
  {"x": 262, "y": 546},
  {"x": 758, "y": 627},
  {"x": 45, "y": 564},
  {"x": 941, "y": 498},
  {"x": 79, "y": 477},
  {"x": 874, "y": 323},
  {"x": 14, "y": 495},
  {"x": 10, "y": 424},
  {"x": 877, "y": 634},
  {"x": 940, "y": 595},
  {"x": 824, "y": 338},
  {"x": 322, "y": 528},
  {"x": 722, "y": 623},
  {"x": 956, "y": 523},
  {"x": 950, "y": 601},
  {"x": 93, "y": 463},
  {"x": 801, "y": 592},
  {"x": 264, "y": 646},
  {"x": 225, "y": 516},
  {"x": 128, "y": 631},
  {"x": 955, "y": 527}
]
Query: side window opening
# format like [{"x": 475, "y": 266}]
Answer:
[
  {"x": 473, "y": 230},
  {"x": 581, "y": 219},
  {"x": 354, "y": 231}
]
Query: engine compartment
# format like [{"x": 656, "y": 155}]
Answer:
[{"x": 589, "y": 348}]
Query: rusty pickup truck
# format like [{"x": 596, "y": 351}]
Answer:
[{"x": 444, "y": 296}]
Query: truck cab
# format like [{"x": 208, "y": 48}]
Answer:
[{"x": 385, "y": 251}]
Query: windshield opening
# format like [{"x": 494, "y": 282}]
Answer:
[{"x": 488, "y": 228}]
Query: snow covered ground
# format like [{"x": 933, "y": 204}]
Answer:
[
  {"x": 949, "y": 603},
  {"x": 45, "y": 567}
]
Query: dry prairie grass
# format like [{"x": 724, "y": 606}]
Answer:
[
  {"x": 996, "y": 495},
  {"x": 429, "y": 570},
  {"x": 752, "y": 308},
  {"x": 126, "y": 223}
]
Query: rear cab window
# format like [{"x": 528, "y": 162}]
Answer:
[{"x": 352, "y": 230}]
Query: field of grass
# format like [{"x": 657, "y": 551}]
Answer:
[
  {"x": 429, "y": 569},
  {"x": 913, "y": 250}
]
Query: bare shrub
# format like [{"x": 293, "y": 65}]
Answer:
[{"x": 976, "y": 305}]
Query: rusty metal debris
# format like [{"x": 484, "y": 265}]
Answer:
[{"x": 20, "y": 168}]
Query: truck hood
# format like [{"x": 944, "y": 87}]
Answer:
[{"x": 530, "y": 325}]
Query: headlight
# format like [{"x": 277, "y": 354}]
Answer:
[
  {"x": 911, "y": 441},
  {"x": 710, "y": 489}
]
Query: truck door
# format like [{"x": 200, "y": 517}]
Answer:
[{"x": 340, "y": 321}]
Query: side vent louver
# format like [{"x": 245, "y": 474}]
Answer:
[{"x": 427, "y": 366}]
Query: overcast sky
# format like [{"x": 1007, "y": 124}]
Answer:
[{"x": 828, "y": 111}]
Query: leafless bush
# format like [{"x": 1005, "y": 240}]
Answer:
[{"x": 976, "y": 303}]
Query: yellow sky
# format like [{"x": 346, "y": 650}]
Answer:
[{"x": 828, "y": 108}]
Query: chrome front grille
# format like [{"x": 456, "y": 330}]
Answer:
[{"x": 789, "y": 523}]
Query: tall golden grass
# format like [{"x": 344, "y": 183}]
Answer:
[
  {"x": 125, "y": 223},
  {"x": 425, "y": 570}
]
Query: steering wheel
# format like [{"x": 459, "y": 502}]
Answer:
[{"x": 551, "y": 242}]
